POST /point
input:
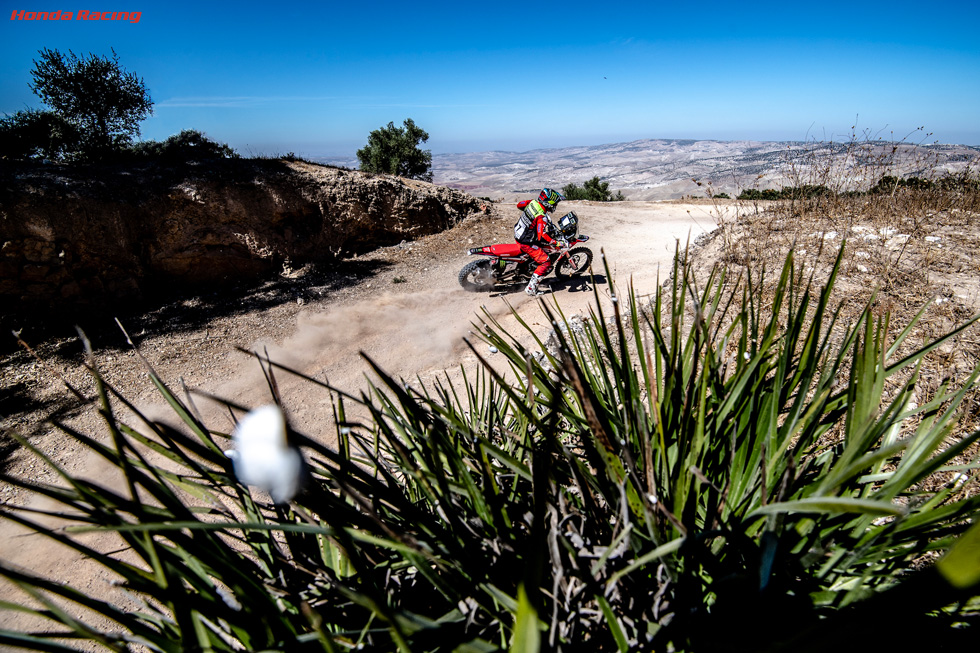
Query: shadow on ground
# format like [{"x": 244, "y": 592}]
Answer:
[
  {"x": 581, "y": 283},
  {"x": 8, "y": 447},
  {"x": 177, "y": 313},
  {"x": 54, "y": 338}
]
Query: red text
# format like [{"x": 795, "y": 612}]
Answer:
[{"x": 127, "y": 16}]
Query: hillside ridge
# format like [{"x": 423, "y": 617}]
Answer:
[{"x": 668, "y": 169}]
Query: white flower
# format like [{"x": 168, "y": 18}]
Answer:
[{"x": 262, "y": 456}]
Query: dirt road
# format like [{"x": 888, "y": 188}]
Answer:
[{"x": 417, "y": 330}]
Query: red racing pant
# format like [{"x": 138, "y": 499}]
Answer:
[{"x": 536, "y": 253}]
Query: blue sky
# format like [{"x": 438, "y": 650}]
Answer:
[{"x": 316, "y": 78}]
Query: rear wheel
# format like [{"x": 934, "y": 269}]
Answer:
[
  {"x": 477, "y": 276},
  {"x": 578, "y": 261}
]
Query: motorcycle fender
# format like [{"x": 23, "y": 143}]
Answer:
[{"x": 582, "y": 239}]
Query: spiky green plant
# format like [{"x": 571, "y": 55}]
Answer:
[{"x": 697, "y": 473}]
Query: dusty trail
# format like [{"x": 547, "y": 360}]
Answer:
[
  {"x": 411, "y": 319},
  {"x": 419, "y": 332}
]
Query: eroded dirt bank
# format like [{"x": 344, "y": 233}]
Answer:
[{"x": 76, "y": 238}]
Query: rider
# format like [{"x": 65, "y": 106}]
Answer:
[{"x": 532, "y": 229}]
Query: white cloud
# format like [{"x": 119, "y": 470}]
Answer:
[{"x": 238, "y": 101}]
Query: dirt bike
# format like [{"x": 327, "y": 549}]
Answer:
[{"x": 506, "y": 264}]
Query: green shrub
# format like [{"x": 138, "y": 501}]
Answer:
[
  {"x": 37, "y": 134},
  {"x": 593, "y": 190},
  {"x": 886, "y": 185},
  {"x": 689, "y": 474},
  {"x": 188, "y": 145},
  {"x": 395, "y": 151},
  {"x": 785, "y": 193}
]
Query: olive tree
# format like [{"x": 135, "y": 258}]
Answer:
[
  {"x": 95, "y": 95},
  {"x": 395, "y": 151}
]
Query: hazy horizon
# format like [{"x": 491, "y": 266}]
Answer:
[{"x": 352, "y": 157}]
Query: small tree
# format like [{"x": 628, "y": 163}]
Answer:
[
  {"x": 395, "y": 151},
  {"x": 95, "y": 95},
  {"x": 594, "y": 190}
]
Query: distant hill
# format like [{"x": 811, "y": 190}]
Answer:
[{"x": 664, "y": 169}]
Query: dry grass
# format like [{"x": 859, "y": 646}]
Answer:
[{"x": 906, "y": 245}]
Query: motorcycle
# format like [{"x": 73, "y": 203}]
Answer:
[{"x": 506, "y": 264}]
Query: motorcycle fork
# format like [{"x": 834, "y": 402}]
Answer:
[{"x": 564, "y": 255}]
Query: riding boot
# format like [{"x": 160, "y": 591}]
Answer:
[{"x": 532, "y": 286}]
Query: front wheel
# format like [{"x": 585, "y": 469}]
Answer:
[
  {"x": 476, "y": 276},
  {"x": 578, "y": 261}
]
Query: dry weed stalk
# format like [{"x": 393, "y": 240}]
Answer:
[{"x": 909, "y": 230}]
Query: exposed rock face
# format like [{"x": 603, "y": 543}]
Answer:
[{"x": 88, "y": 237}]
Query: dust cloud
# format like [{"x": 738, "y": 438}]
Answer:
[
  {"x": 404, "y": 334},
  {"x": 408, "y": 335}
]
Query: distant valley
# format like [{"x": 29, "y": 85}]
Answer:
[{"x": 667, "y": 169}]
